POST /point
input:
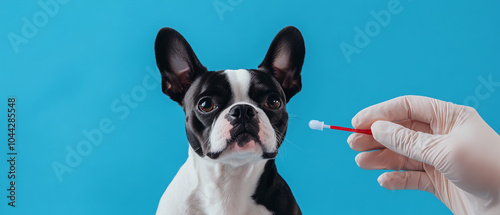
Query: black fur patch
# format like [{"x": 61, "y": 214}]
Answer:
[{"x": 273, "y": 192}]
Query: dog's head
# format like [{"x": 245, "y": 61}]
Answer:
[{"x": 232, "y": 116}]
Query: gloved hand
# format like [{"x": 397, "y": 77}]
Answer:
[{"x": 445, "y": 149}]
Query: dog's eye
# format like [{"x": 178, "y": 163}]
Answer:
[
  {"x": 206, "y": 104},
  {"x": 273, "y": 102}
]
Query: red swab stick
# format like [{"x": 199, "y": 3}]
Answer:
[{"x": 317, "y": 125}]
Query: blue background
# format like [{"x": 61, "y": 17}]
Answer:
[{"x": 91, "y": 53}]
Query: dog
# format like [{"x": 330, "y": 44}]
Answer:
[{"x": 235, "y": 122}]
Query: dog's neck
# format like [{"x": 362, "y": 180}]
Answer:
[{"x": 225, "y": 188}]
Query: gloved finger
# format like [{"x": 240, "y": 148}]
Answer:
[
  {"x": 419, "y": 108},
  {"x": 416, "y": 125},
  {"x": 407, "y": 180},
  {"x": 387, "y": 159},
  {"x": 363, "y": 142},
  {"x": 416, "y": 145}
]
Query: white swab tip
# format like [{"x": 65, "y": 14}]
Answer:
[{"x": 316, "y": 125}]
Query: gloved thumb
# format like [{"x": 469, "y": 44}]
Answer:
[{"x": 416, "y": 145}]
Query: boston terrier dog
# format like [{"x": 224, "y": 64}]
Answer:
[{"x": 235, "y": 122}]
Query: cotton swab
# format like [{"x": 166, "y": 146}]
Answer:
[{"x": 317, "y": 125}]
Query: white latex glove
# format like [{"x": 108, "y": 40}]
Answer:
[{"x": 445, "y": 149}]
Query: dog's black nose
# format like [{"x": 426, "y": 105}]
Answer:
[{"x": 241, "y": 113}]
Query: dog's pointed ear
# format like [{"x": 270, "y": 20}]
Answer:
[
  {"x": 285, "y": 58},
  {"x": 177, "y": 63}
]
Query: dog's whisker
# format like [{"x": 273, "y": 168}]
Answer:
[
  {"x": 286, "y": 139},
  {"x": 283, "y": 138},
  {"x": 294, "y": 117}
]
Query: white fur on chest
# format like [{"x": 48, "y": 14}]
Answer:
[{"x": 208, "y": 188}]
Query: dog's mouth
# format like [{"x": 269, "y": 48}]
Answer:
[
  {"x": 240, "y": 142},
  {"x": 242, "y": 138},
  {"x": 245, "y": 142}
]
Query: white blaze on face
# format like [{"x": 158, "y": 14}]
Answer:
[
  {"x": 239, "y": 81},
  {"x": 240, "y": 84}
]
